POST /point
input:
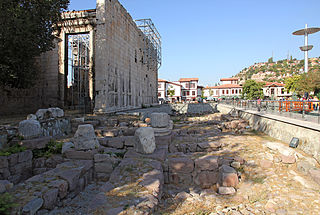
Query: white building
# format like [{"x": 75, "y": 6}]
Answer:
[
  {"x": 169, "y": 90},
  {"x": 229, "y": 88},
  {"x": 275, "y": 90},
  {"x": 189, "y": 88}
]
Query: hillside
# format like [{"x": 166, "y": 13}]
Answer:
[{"x": 276, "y": 71}]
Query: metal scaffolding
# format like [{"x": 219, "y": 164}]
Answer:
[
  {"x": 78, "y": 69},
  {"x": 152, "y": 53}
]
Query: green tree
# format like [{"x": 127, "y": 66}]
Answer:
[
  {"x": 26, "y": 31},
  {"x": 252, "y": 90},
  {"x": 270, "y": 60},
  {"x": 171, "y": 91},
  {"x": 293, "y": 83}
]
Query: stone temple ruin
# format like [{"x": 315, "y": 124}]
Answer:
[
  {"x": 128, "y": 159},
  {"x": 149, "y": 161},
  {"x": 103, "y": 61}
]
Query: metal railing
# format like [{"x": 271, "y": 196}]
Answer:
[{"x": 303, "y": 110}]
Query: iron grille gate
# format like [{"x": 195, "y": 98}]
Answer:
[{"x": 78, "y": 74}]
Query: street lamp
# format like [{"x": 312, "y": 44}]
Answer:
[{"x": 306, "y": 31}]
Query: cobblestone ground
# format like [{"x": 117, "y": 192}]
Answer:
[{"x": 268, "y": 186}]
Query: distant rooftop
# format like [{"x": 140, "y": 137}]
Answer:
[{"x": 188, "y": 79}]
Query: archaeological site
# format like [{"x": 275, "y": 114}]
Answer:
[
  {"x": 103, "y": 61},
  {"x": 92, "y": 139}
]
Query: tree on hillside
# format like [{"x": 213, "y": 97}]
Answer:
[
  {"x": 310, "y": 82},
  {"x": 252, "y": 90},
  {"x": 270, "y": 60},
  {"x": 293, "y": 83},
  {"x": 26, "y": 32}
]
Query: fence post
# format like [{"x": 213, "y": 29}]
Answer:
[
  {"x": 318, "y": 105},
  {"x": 303, "y": 111},
  {"x": 280, "y": 107}
]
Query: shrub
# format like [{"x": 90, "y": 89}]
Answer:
[
  {"x": 6, "y": 203},
  {"x": 12, "y": 150},
  {"x": 51, "y": 148}
]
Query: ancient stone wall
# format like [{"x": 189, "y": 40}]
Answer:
[
  {"x": 43, "y": 94},
  {"x": 282, "y": 129},
  {"x": 123, "y": 79},
  {"x": 120, "y": 76}
]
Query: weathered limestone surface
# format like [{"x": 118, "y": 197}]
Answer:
[
  {"x": 46, "y": 190},
  {"x": 131, "y": 82},
  {"x": 159, "y": 120},
  {"x": 146, "y": 140},
  {"x": 85, "y": 138},
  {"x": 16, "y": 167},
  {"x": 30, "y": 128}
]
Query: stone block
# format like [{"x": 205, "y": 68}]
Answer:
[
  {"x": 56, "y": 112},
  {"x": 4, "y": 162},
  {"x": 102, "y": 158},
  {"x": 228, "y": 176},
  {"x": 43, "y": 114},
  {"x": 39, "y": 162},
  {"x": 116, "y": 142},
  {"x": 207, "y": 163},
  {"x": 62, "y": 187},
  {"x": 67, "y": 146},
  {"x": 85, "y": 138},
  {"x": 5, "y": 186},
  {"x": 13, "y": 159},
  {"x": 290, "y": 159},
  {"x": 206, "y": 179},
  {"x": 80, "y": 155},
  {"x": 4, "y": 173},
  {"x": 25, "y": 156},
  {"x": 103, "y": 176},
  {"x": 209, "y": 146},
  {"x": 180, "y": 178},
  {"x": 163, "y": 140},
  {"x": 226, "y": 190},
  {"x": 104, "y": 167},
  {"x": 153, "y": 182},
  {"x": 54, "y": 160},
  {"x": 129, "y": 131},
  {"x": 146, "y": 141},
  {"x": 32, "y": 206},
  {"x": 236, "y": 165},
  {"x": 38, "y": 143},
  {"x": 50, "y": 198},
  {"x": 72, "y": 176},
  {"x": 181, "y": 165},
  {"x": 160, "y": 120},
  {"x": 130, "y": 141},
  {"x": 30, "y": 129}
]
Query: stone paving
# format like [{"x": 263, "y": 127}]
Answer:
[
  {"x": 271, "y": 182},
  {"x": 210, "y": 164}
]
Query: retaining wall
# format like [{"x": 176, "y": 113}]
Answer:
[
  {"x": 282, "y": 128},
  {"x": 194, "y": 108}
]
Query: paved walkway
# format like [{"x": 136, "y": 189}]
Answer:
[{"x": 285, "y": 117}]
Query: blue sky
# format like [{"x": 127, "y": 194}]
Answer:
[{"x": 212, "y": 39}]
